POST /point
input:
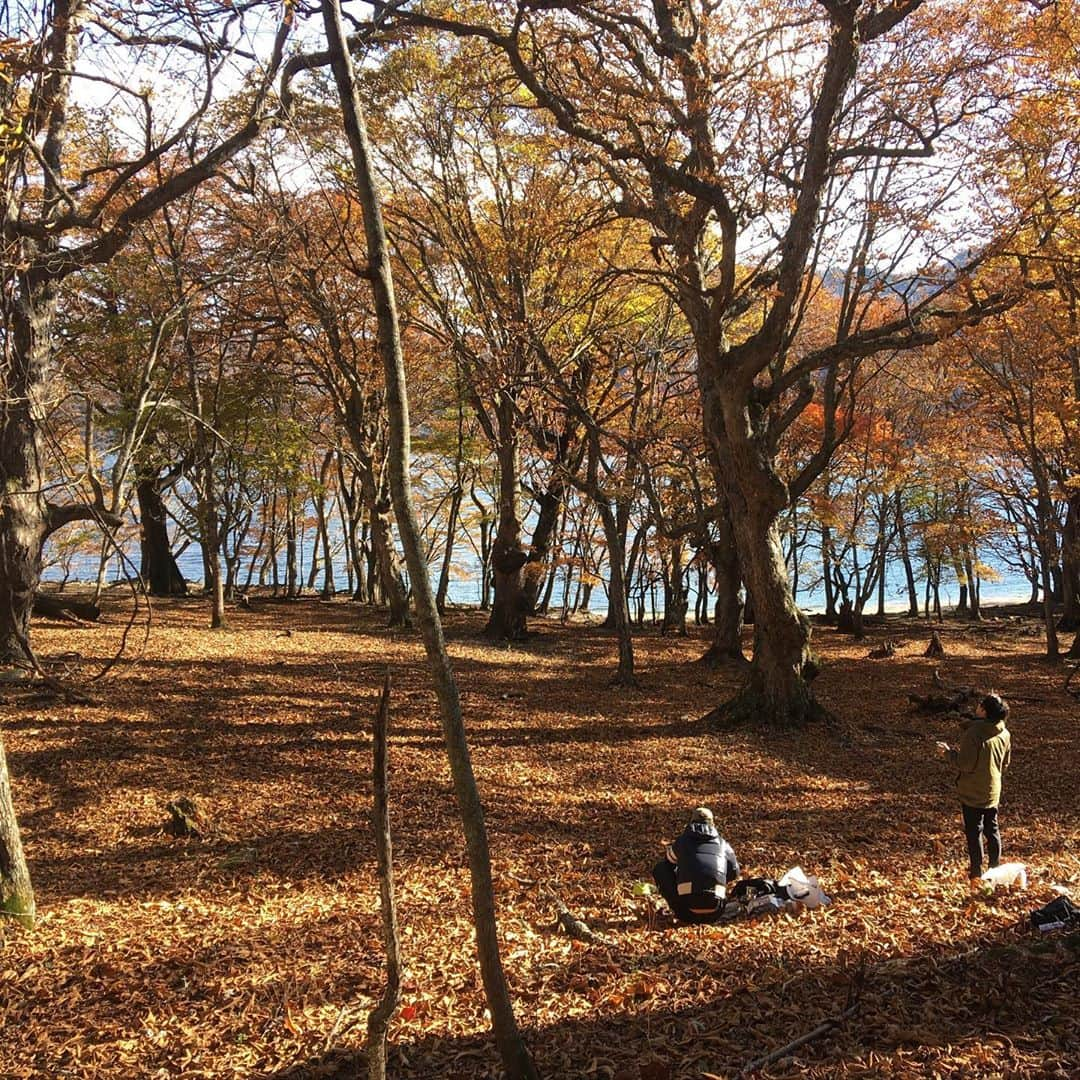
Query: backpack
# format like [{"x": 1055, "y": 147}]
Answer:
[{"x": 1059, "y": 914}]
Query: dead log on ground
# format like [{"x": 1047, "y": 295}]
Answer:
[
  {"x": 940, "y": 703},
  {"x": 955, "y": 688},
  {"x": 52, "y": 606},
  {"x": 883, "y": 651},
  {"x": 573, "y": 927}
]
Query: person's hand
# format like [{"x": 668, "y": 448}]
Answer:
[{"x": 943, "y": 748}]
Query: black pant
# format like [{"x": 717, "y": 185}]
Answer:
[
  {"x": 980, "y": 822},
  {"x": 664, "y": 876}
]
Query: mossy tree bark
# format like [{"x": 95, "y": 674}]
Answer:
[{"x": 16, "y": 893}]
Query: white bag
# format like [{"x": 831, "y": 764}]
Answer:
[
  {"x": 804, "y": 887},
  {"x": 1009, "y": 873}
]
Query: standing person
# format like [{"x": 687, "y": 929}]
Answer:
[
  {"x": 693, "y": 875},
  {"x": 983, "y": 755}
]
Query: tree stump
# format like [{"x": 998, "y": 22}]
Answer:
[
  {"x": 185, "y": 819},
  {"x": 883, "y": 651},
  {"x": 935, "y": 648}
]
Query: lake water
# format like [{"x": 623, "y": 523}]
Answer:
[{"x": 465, "y": 590}]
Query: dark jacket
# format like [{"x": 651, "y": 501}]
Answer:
[{"x": 704, "y": 863}]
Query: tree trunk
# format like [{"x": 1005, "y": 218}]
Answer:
[
  {"x": 16, "y": 893},
  {"x": 1070, "y": 562},
  {"x": 1052, "y": 646},
  {"x": 549, "y": 588},
  {"x": 507, "y": 619},
  {"x": 322, "y": 518},
  {"x": 158, "y": 569},
  {"x": 23, "y": 511},
  {"x": 777, "y": 693},
  {"x": 675, "y": 599},
  {"x": 379, "y": 1017},
  {"x": 234, "y": 552},
  {"x": 515, "y": 1057},
  {"x": 858, "y": 630},
  {"x": 883, "y": 558},
  {"x": 827, "y": 575},
  {"x": 617, "y": 594},
  {"x": 216, "y": 584},
  {"x": 448, "y": 550},
  {"x": 1046, "y": 525},
  {"x": 211, "y": 533},
  {"x": 253, "y": 562},
  {"x": 726, "y": 647},
  {"x": 485, "y": 549},
  {"x": 549, "y": 505},
  {"x": 905, "y": 558},
  {"x": 292, "y": 565},
  {"x": 102, "y": 571},
  {"x": 701, "y": 600},
  {"x": 974, "y": 610},
  {"x": 382, "y": 545}
]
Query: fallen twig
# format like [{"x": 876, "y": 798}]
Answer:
[
  {"x": 850, "y": 1008},
  {"x": 574, "y": 927}
]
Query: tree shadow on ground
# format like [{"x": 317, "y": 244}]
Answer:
[{"x": 991, "y": 995}]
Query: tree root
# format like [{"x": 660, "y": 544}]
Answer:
[
  {"x": 750, "y": 709},
  {"x": 717, "y": 659}
]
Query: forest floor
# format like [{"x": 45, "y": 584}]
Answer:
[{"x": 255, "y": 950}]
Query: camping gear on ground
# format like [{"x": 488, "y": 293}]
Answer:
[
  {"x": 749, "y": 889},
  {"x": 766, "y": 896},
  {"x": 799, "y": 885},
  {"x": 732, "y": 910},
  {"x": 1059, "y": 914},
  {"x": 1009, "y": 873},
  {"x": 766, "y": 905}
]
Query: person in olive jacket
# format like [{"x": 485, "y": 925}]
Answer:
[{"x": 983, "y": 755}]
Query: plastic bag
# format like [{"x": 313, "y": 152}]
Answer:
[
  {"x": 1009, "y": 873},
  {"x": 804, "y": 887}
]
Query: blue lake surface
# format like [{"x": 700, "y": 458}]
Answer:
[{"x": 465, "y": 590}]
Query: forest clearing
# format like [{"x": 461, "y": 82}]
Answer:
[
  {"x": 255, "y": 950},
  {"x": 321, "y": 320}
]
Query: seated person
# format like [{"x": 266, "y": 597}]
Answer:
[{"x": 693, "y": 876}]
